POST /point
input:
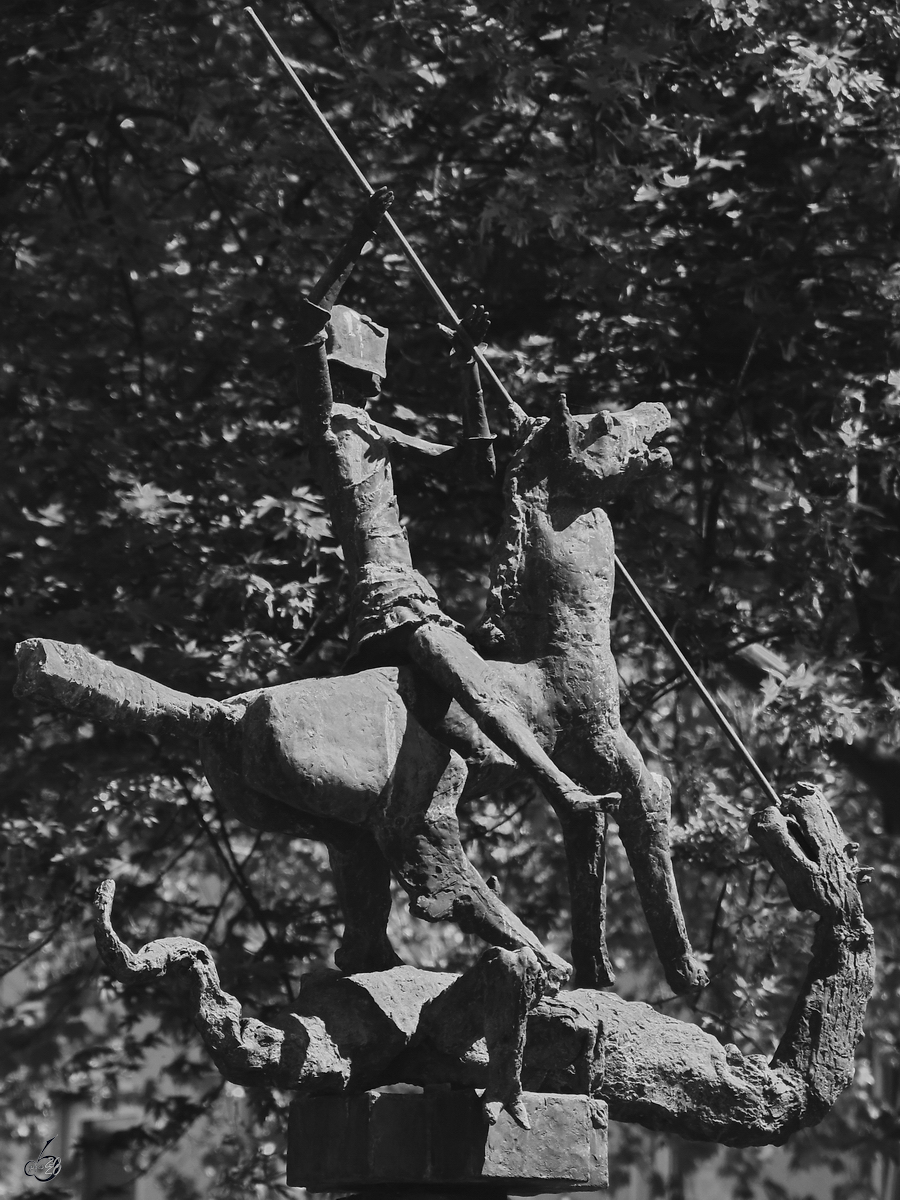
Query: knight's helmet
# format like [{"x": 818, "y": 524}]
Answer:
[{"x": 356, "y": 349}]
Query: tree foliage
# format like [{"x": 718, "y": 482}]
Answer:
[{"x": 693, "y": 201}]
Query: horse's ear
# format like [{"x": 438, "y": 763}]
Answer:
[
  {"x": 520, "y": 425},
  {"x": 563, "y": 423},
  {"x": 600, "y": 423}
]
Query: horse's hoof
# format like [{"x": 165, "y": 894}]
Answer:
[
  {"x": 595, "y": 974},
  {"x": 359, "y": 961},
  {"x": 686, "y": 974}
]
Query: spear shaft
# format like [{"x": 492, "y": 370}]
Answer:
[{"x": 518, "y": 414}]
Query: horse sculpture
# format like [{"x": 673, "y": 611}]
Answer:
[{"x": 374, "y": 764}]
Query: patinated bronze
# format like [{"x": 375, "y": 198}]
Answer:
[
  {"x": 380, "y": 759},
  {"x": 375, "y": 761},
  {"x": 353, "y": 759}
]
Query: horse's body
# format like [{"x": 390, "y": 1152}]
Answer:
[{"x": 375, "y": 763}]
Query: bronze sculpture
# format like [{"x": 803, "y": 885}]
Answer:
[
  {"x": 374, "y": 763},
  {"x": 351, "y": 760}
]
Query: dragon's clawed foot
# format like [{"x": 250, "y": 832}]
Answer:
[{"x": 514, "y": 1105}]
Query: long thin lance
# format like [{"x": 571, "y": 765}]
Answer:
[{"x": 516, "y": 411}]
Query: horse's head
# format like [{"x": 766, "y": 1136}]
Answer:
[
  {"x": 553, "y": 563},
  {"x": 589, "y": 458}
]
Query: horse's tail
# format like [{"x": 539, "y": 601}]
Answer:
[{"x": 66, "y": 676}]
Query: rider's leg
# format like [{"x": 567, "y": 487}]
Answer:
[
  {"x": 643, "y": 820},
  {"x": 454, "y": 665}
]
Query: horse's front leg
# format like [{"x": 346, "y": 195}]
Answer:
[
  {"x": 584, "y": 837},
  {"x": 643, "y": 819}
]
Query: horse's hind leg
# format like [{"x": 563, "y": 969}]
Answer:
[
  {"x": 420, "y": 837},
  {"x": 643, "y": 821},
  {"x": 362, "y": 880}
]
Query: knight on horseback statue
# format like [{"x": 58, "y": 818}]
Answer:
[
  {"x": 395, "y": 614},
  {"x": 373, "y": 763}
]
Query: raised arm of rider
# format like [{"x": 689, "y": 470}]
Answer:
[
  {"x": 369, "y": 217},
  {"x": 314, "y": 392},
  {"x": 313, "y": 313}
]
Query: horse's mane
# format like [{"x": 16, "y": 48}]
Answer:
[{"x": 494, "y": 636}]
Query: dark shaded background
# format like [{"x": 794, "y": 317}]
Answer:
[{"x": 693, "y": 202}]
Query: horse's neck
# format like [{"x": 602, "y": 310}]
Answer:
[{"x": 552, "y": 576}]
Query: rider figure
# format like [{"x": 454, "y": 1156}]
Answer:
[{"x": 395, "y": 613}]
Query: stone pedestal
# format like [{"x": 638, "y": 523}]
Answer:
[{"x": 441, "y": 1140}]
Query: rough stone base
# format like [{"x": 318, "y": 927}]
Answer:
[{"x": 442, "y": 1139}]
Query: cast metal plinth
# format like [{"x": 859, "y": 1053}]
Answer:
[{"x": 441, "y": 1139}]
